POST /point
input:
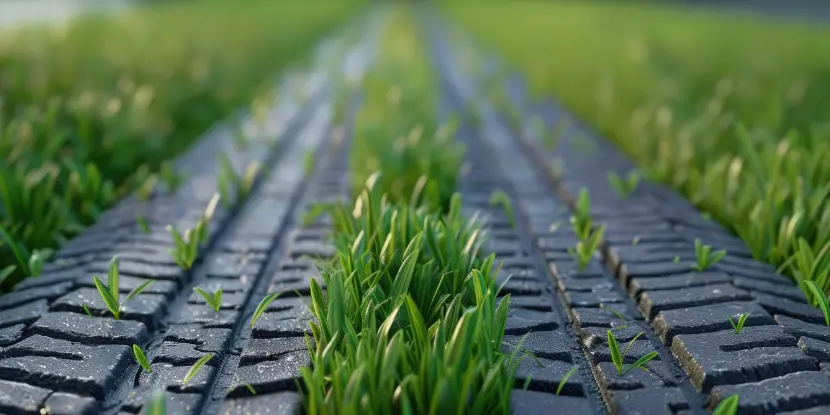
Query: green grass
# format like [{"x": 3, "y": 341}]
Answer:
[
  {"x": 729, "y": 110},
  {"x": 410, "y": 322},
  {"x": 92, "y": 109}
]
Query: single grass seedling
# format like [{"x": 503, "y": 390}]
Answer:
[
  {"x": 172, "y": 179},
  {"x": 728, "y": 406},
  {"x": 141, "y": 358},
  {"x": 228, "y": 179},
  {"x": 263, "y": 304},
  {"x": 740, "y": 324},
  {"x": 240, "y": 140},
  {"x": 624, "y": 186},
  {"x": 194, "y": 370},
  {"x": 86, "y": 310},
  {"x": 565, "y": 379},
  {"x": 613, "y": 311},
  {"x": 214, "y": 299},
  {"x": 581, "y": 218},
  {"x": 308, "y": 162},
  {"x": 705, "y": 257},
  {"x": 584, "y": 250},
  {"x": 617, "y": 358},
  {"x": 157, "y": 406},
  {"x": 500, "y": 197},
  {"x": 142, "y": 224},
  {"x": 250, "y": 388},
  {"x": 635, "y": 241},
  {"x": 677, "y": 260},
  {"x": 109, "y": 293},
  {"x": 821, "y": 298},
  {"x": 187, "y": 246}
]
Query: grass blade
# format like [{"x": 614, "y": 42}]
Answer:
[
  {"x": 141, "y": 358},
  {"x": 821, "y": 298},
  {"x": 262, "y": 306},
  {"x": 137, "y": 290},
  {"x": 109, "y": 301},
  {"x": 195, "y": 368},
  {"x": 615, "y": 352},
  {"x": 728, "y": 406},
  {"x": 565, "y": 379}
]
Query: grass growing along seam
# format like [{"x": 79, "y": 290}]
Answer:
[
  {"x": 409, "y": 322},
  {"x": 90, "y": 110},
  {"x": 729, "y": 110}
]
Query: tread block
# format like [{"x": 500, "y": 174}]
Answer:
[
  {"x": 25, "y": 314},
  {"x": 280, "y": 403},
  {"x": 11, "y": 334},
  {"x": 170, "y": 377},
  {"x": 783, "y": 306},
  {"x": 554, "y": 345},
  {"x": 65, "y": 365},
  {"x": 260, "y": 350},
  {"x": 540, "y": 403},
  {"x": 83, "y": 328},
  {"x": 545, "y": 375},
  {"x": 656, "y": 401},
  {"x": 203, "y": 314},
  {"x": 815, "y": 348},
  {"x": 521, "y": 321},
  {"x": 639, "y": 286},
  {"x": 178, "y": 354},
  {"x": 18, "y": 298},
  {"x": 794, "y": 391},
  {"x": 20, "y": 398},
  {"x": 653, "y": 302},
  {"x": 60, "y": 403},
  {"x": 724, "y": 358},
  {"x": 212, "y": 340},
  {"x": 798, "y": 328},
  {"x": 270, "y": 376},
  {"x": 146, "y": 308},
  {"x": 708, "y": 318}
]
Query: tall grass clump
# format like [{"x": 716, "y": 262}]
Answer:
[
  {"x": 729, "y": 110},
  {"x": 409, "y": 321},
  {"x": 90, "y": 110}
]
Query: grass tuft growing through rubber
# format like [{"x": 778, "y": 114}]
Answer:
[
  {"x": 740, "y": 324},
  {"x": 705, "y": 257},
  {"x": 618, "y": 358},
  {"x": 410, "y": 321},
  {"x": 109, "y": 293}
]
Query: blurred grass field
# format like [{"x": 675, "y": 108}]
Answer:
[
  {"x": 89, "y": 110},
  {"x": 730, "y": 110}
]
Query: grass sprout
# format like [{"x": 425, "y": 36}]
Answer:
[
  {"x": 585, "y": 249},
  {"x": 728, "y": 406},
  {"x": 109, "y": 293},
  {"x": 500, "y": 197},
  {"x": 157, "y": 405},
  {"x": 186, "y": 246},
  {"x": 821, "y": 299},
  {"x": 617, "y": 358},
  {"x": 194, "y": 370},
  {"x": 263, "y": 304},
  {"x": 705, "y": 257},
  {"x": 214, "y": 299},
  {"x": 613, "y": 311},
  {"x": 581, "y": 218},
  {"x": 624, "y": 186},
  {"x": 142, "y": 224},
  {"x": 740, "y": 324},
  {"x": 141, "y": 358},
  {"x": 565, "y": 379}
]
